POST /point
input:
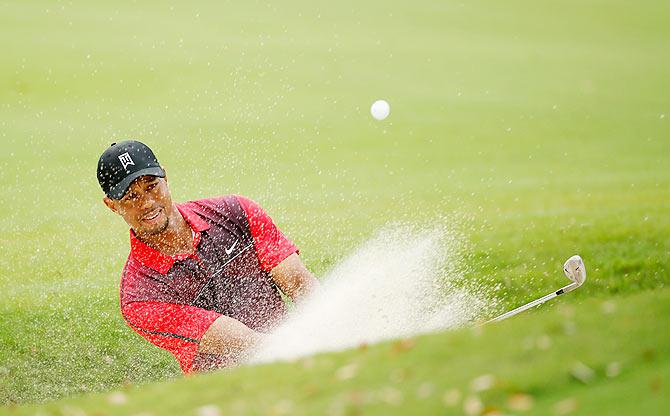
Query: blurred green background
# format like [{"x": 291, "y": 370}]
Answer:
[{"x": 539, "y": 129}]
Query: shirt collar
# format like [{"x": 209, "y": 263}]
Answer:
[
  {"x": 162, "y": 262},
  {"x": 197, "y": 223}
]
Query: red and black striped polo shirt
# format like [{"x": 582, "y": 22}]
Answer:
[{"x": 172, "y": 300}]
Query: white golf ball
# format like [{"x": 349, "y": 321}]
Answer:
[{"x": 380, "y": 109}]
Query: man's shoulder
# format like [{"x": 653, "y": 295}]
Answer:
[
  {"x": 217, "y": 208},
  {"x": 134, "y": 276},
  {"x": 131, "y": 268},
  {"x": 216, "y": 203}
]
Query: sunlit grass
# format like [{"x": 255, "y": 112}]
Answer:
[{"x": 539, "y": 130}]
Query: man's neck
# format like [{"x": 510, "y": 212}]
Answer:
[{"x": 177, "y": 238}]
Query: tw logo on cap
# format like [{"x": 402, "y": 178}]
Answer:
[{"x": 126, "y": 160}]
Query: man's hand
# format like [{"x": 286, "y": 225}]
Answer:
[{"x": 293, "y": 278}]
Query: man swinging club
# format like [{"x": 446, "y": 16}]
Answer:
[{"x": 203, "y": 278}]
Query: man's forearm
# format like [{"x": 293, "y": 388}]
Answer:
[
  {"x": 228, "y": 336},
  {"x": 294, "y": 279}
]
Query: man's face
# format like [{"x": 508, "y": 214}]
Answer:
[{"x": 146, "y": 206}]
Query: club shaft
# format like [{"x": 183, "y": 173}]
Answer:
[{"x": 536, "y": 302}]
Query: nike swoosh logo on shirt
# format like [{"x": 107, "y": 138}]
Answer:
[{"x": 230, "y": 249}]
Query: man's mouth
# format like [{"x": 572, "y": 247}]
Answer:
[{"x": 152, "y": 215}]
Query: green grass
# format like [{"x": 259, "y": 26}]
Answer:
[
  {"x": 541, "y": 130},
  {"x": 537, "y": 355}
]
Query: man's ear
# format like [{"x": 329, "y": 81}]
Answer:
[
  {"x": 110, "y": 204},
  {"x": 165, "y": 177}
]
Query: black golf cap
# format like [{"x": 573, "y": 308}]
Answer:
[{"x": 124, "y": 162}]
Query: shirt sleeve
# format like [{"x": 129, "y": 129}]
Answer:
[
  {"x": 272, "y": 247},
  {"x": 174, "y": 327}
]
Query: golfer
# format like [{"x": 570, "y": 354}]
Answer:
[{"x": 204, "y": 278}]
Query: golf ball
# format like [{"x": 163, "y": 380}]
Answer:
[{"x": 380, "y": 109}]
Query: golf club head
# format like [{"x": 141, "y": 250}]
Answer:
[{"x": 575, "y": 270}]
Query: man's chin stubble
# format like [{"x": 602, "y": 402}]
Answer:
[
  {"x": 164, "y": 226},
  {"x": 158, "y": 230}
]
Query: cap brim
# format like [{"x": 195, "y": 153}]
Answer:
[{"x": 118, "y": 191}]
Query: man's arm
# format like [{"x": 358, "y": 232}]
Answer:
[
  {"x": 277, "y": 254},
  {"x": 228, "y": 336},
  {"x": 293, "y": 278}
]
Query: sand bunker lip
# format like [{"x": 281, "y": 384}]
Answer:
[{"x": 399, "y": 283}]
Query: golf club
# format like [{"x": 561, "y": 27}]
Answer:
[{"x": 574, "y": 270}]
